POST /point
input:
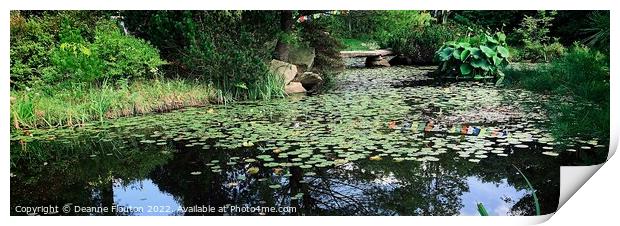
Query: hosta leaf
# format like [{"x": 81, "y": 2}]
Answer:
[
  {"x": 445, "y": 53},
  {"x": 476, "y": 53},
  {"x": 466, "y": 69},
  {"x": 488, "y": 51},
  {"x": 464, "y": 55},
  {"x": 497, "y": 61},
  {"x": 503, "y": 51},
  {"x": 451, "y": 43},
  {"x": 501, "y": 37},
  {"x": 481, "y": 63},
  {"x": 457, "y": 53},
  {"x": 463, "y": 45},
  {"x": 491, "y": 40}
]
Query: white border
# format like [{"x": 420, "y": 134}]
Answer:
[{"x": 595, "y": 203}]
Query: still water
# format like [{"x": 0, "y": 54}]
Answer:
[{"x": 383, "y": 142}]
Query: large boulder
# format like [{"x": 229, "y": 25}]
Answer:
[
  {"x": 376, "y": 61},
  {"x": 285, "y": 70},
  {"x": 303, "y": 57},
  {"x": 310, "y": 80},
  {"x": 294, "y": 87}
]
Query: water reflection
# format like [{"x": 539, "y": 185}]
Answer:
[
  {"x": 497, "y": 197},
  {"x": 312, "y": 154},
  {"x": 450, "y": 186},
  {"x": 146, "y": 196}
]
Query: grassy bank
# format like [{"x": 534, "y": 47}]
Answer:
[
  {"x": 579, "y": 84},
  {"x": 83, "y": 103},
  {"x": 358, "y": 45}
]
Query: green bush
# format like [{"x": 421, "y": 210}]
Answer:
[
  {"x": 420, "y": 44},
  {"x": 534, "y": 36},
  {"x": 579, "y": 82},
  {"x": 538, "y": 52},
  {"x": 475, "y": 58},
  {"x": 110, "y": 56},
  {"x": 64, "y": 47},
  {"x": 374, "y": 25},
  {"x": 327, "y": 60},
  {"x": 598, "y": 31},
  {"x": 74, "y": 62},
  {"x": 505, "y": 20},
  {"x": 391, "y": 23},
  {"x": 229, "y": 49},
  {"x": 124, "y": 56},
  {"x": 31, "y": 40},
  {"x": 582, "y": 73}
]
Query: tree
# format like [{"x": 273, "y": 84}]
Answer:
[{"x": 286, "y": 28}]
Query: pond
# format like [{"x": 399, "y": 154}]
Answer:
[{"x": 385, "y": 141}]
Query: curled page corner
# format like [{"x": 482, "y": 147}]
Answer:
[{"x": 572, "y": 178}]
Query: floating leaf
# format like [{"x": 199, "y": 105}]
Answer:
[{"x": 253, "y": 170}]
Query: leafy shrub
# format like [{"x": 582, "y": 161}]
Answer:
[
  {"x": 420, "y": 44},
  {"x": 491, "y": 19},
  {"x": 327, "y": 60},
  {"x": 374, "y": 25},
  {"x": 64, "y": 47},
  {"x": 538, "y": 52},
  {"x": 31, "y": 40},
  {"x": 226, "y": 48},
  {"x": 465, "y": 59},
  {"x": 124, "y": 56},
  {"x": 391, "y": 23},
  {"x": 535, "y": 40},
  {"x": 74, "y": 62},
  {"x": 536, "y": 28},
  {"x": 581, "y": 79},
  {"x": 598, "y": 30},
  {"x": 582, "y": 72}
]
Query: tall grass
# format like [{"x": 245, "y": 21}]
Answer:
[
  {"x": 272, "y": 85},
  {"x": 82, "y": 103},
  {"x": 531, "y": 190},
  {"x": 579, "y": 85},
  {"x": 483, "y": 211}
]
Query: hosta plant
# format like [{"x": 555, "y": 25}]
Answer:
[{"x": 482, "y": 60}]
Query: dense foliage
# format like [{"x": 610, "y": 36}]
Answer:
[
  {"x": 533, "y": 33},
  {"x": 376, "y": 25},
  {"x": 421, "y": 43},
  {"x": 598, "y": 31},
  {"x": 471, "y": 59},
  {"x": 582, "y": 72},
  {"x": 70, "y": 47},
  {"x": 581, "y": 79},
  {"x": 226, "y": 53},
  {"x": 327, "y": 61},
  {"x": 229, "y": 49}
]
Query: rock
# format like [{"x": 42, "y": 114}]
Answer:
[
  {"x": 294, "y": 87},
  {"x": 284, "y": 69},
  {"x": 401, "y": 60},
  {"x": 376, "y": 61},
  {"x": 309, "y": 80},
  {"x": 303, "y": 57}
]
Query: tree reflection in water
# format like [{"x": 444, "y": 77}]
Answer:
[{"x": 362, "y": 187}]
